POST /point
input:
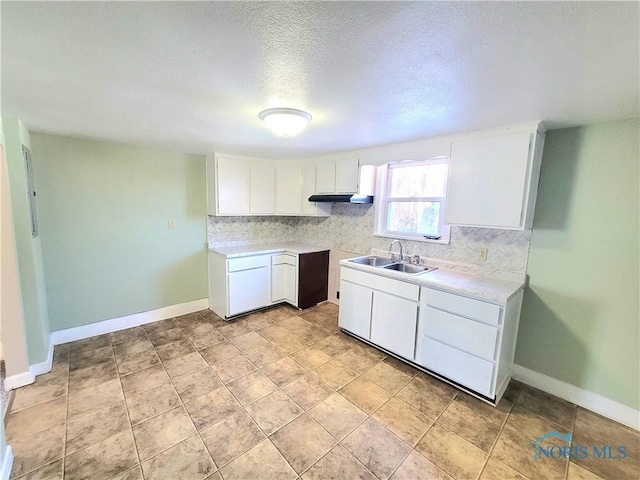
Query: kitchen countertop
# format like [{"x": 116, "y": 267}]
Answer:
[
  {"x": 485, "y": 288},
  {"x": 295, "y": 248}
]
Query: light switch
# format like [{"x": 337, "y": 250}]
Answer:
[
  {"x": 172, "y": 224},
  {"x": 482, "y": 254}
]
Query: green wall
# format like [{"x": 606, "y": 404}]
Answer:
[
  {"x": 30, "y": 262},
  {"x": 104, "y": 212},
  {"x": 580, "y": 318}
]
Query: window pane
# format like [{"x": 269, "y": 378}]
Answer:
[
  {"x": 418, "y": 181},
  {"x": 413, "y": 217}
]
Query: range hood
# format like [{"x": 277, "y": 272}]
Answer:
[
  {"x": 337, "y": 198},
  {"x": 366, "y": 189}
]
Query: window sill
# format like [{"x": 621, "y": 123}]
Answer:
[{"x": 443, "y": 241}]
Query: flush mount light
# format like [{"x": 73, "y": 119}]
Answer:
[{"x": 285, "y": 122}]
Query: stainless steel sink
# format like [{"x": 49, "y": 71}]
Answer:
[
  {"x": 372, "y": 261},
  {"x": 388, "y": 264},
  {"x": 408, "y": 268}
]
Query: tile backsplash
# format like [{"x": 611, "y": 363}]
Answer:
[{"x": 350, "y": 228}]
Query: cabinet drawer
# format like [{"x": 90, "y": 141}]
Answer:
[
  {"x": 468, "y": 307},
  {"x": 460, "y": 332},
  {"x": 245, "y": 263},
  {"x": 470, "y": 371},
  {"x": 388, "y": 285},
  {"x": 284, "y": 259}
]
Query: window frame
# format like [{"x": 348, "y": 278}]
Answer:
[{"x": 381, "y": 202}]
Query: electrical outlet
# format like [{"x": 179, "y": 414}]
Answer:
[
  {"x": 482, "y": 254},
  {"x": 172, "y": 224}
]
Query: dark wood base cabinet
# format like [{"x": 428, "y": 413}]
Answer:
[{"x": 313, "y": 278}]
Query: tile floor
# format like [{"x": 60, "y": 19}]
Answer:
[{"x": 280, "y": 394}]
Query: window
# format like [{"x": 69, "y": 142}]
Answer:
[{"x": 410, "y": 200}]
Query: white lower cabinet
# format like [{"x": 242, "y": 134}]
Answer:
[
  {"x": 469, "y": 335},
  {"x": 284, "y": 275},
  {"x": 467, "y": 370},
  {"x": 248, "y": 283},
  {"x": 239, "y": 285},
  {"x": 382, "y": 310},
  {"x": 355, "y": 309},
  {"x": 248, "y": 290},
  {"x": 393, "y": 323},
  {"x": 468, "y": 341},
  {"x": 458, "y": 338}
]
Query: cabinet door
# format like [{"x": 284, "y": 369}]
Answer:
[
  {"x": 393, "y": 324},
  {"x": 355, "y": 309},
  {"x": 347, "y": 176},
  {"x": 326, "y": 177},
  {"x": 249, "y": 289},
  {"x": 308, "y": 189},
  {"x": 488, "y": 181},
  {"x": 283, "y": 283},
  {"x": 212, "y": 197},
  {"x": 263, "y": 188},
  {"x": 233, "y": 182},
  {"x": 289, "y": 189},
  {"x": 313, "y": 278}
]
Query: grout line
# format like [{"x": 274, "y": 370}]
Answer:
[
  {"x": 126, "y": 407},
  {"x": 502, "y": 425},
  {"x": 184, "y": 408},
  {"x": 367, "y": 416},
  {"x": 280, "y": 388},
  {"x": 413, "y": 448},
  {"x": 64, "y": 435},
  {"x": 224, "y": 385},
  {"x": 573, "y": 428},
  {"x": 66, "y": 416},
  {"x": 334, "y": 391}
]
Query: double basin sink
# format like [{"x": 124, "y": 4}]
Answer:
[{"x": 388, "y": 264}]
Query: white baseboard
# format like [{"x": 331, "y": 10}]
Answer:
[
  {"x": 43, "y": 367},
  {"x": 19, "y": 380},
  {"x": 7, "y": 463},
  {"x": 589, "y": 400},
  {"x": 128, "y": 321}
]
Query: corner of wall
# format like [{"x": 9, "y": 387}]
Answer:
[{"x": 29, "y": 256}]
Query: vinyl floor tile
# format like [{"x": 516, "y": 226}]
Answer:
[
  {"x": 231, "y": 437},
  {"x": 282, "y": 394}
]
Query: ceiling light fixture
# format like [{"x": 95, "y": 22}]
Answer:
[{"x": 285, "y": 122}]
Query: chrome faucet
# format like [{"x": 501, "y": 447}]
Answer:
[{"x": 393, "y": 257}]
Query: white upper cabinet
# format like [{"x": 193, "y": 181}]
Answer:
[
  {"x": 308, "y": 189},
  {"x": 347, "y": 175},
  {"x": 263, "y": 193},
  {"x": 289, "y": 188},
  {"x": 250, "y": 186},
  {"x": 326, "y": 177},
  {"x": 230, "y": 194},
  {"x": 493, "y": 180},
  {"x": 338, "y": 176}
]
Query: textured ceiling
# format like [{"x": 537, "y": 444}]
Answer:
[{"x": 192, "y": 76}]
